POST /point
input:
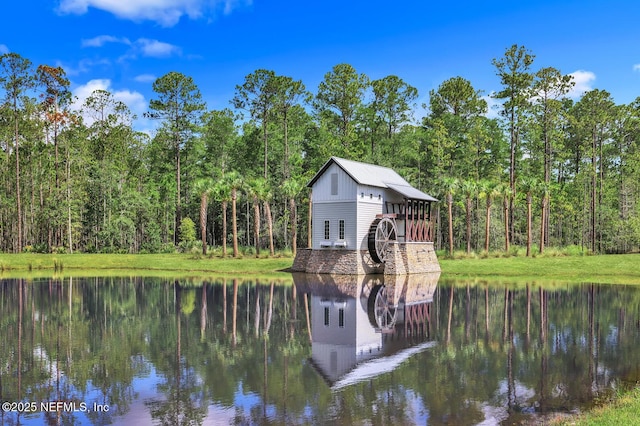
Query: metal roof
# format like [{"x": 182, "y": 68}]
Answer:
[
  {"x": 372, "y": 175},
  {"x": 408, "y": 191}
]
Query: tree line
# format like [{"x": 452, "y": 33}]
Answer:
[{"x": 548, "y": 171}]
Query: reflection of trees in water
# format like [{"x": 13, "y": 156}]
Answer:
[
  {"x": 181, "y": 402},
  {"x": 552, "y": 350},
  {"x": 527, "y": 348},
  {"x": 54, "y": 357}
]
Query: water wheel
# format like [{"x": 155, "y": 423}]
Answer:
[
  {"x": 382, "y": 313},
  {"x": 381, "y": 232}
]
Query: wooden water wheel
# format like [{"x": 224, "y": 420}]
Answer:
[
  {"x": 382, "y": 313},
  {"x": 381, "y": 232}
]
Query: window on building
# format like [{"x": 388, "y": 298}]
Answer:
[
  {"x": 341, "y": 318},
  {"x": 341, "y": 229},
  {"x": 326, "y": 317},
  {"x": 334, "y": 184},
  {"x": 326, "y": 229}
]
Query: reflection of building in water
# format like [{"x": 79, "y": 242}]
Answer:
[{"x": 363, "y": 329}]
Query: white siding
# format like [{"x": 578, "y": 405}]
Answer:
[
  {"x": 347, "y": 187},
  {"x": 371, "y": 194},
  {"x": 333, "y": 333},
  {"x": 334, "y": 212},
  {"x": 334, "y": 360},
  {"x": 370, "y": 203},
  {"x": 366, "y": 215},
  {"x": 337, "y": 350}
]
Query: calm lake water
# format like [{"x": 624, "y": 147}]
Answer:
[{"x": 323, "y": 350}]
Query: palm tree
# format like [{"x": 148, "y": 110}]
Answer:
[
  {"x": 469, "y": 189},
  {"x": 203, "y": 188},
  {"x": 222, "y": 192},
  {"x": 544, "y": 187},
  {"x": 449, "y": 187},
  {"x": 256, "y": 189},
  {"x": 528, "y": 186},
  {"x": 266, "y": 196},
  {"x": 505, "y": 192},
  {"x": 488, "y": 191},
  {"x": 292, "y": 189},
  {"x": 235, "y": 183}
]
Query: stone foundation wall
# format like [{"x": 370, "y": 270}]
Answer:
[
  {"x": 301, "y": 260},
  {"x": 411, "y": 258},
  {"x": 403, "y": 258},
  {"x": 335, "y": 261}
]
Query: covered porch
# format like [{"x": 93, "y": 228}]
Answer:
[{"x": 412, "y": 215}]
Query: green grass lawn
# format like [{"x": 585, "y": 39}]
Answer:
[
  {"x": 623, "y": 410},
  {"x": 619, "y": 269},
  {"x": 170, "y": 265}
]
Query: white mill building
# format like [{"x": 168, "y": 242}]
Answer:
[{"x": 367, "y": 219}]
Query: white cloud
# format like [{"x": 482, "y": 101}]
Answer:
[
  {"x": 156, "y": 49},
  {"x": 101, "y": 40},
  {"x": 493, "y": 105},
  {"x": 165, "y": 12},
  {"x": 636, "y": 67},
  {"x": 148, "y": 47},
  {"x": 82, "y": 92},
  {"x": 3, "y": 49},
  {"x": 151, "y": 49},
  {"x": 83, "y": 66},
  {"x": 583, "y": 83},
  {"x": 145, "y": 78},
  {"x": 132, "y": 99}
]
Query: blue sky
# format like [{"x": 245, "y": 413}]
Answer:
[{"x": 123, "y": 45}]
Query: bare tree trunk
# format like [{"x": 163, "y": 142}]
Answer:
[
  {"x": 506, "y": 224},
  {"x": 234, "y": 221},
  {"x": 593, "y": 193},
  {"x": 178, "y": 204},
  {"x": 543, "y": 222},
  {"x": 487, "y": 225},
  {"x": 529, "y": 223},
  {"x": 69, "y": 230},
  {"x": 294, "y": 226},
  {"x": 468, "y": 220},
  {"x": 224, "y": 228},
  {"x": 267, "y": 210},
  {"x": 256, "y": 225},
  {"x": 18, "y": 201},
  {"x": 204, "y": 201},
  {"x": 449, "y": 210}
]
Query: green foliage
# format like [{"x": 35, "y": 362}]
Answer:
[
  {"x": 337, "y": 104},
  {"x": 88, "y": 181},
  {"x": 152, "y": 242},
  {"x": 187, "y": 234}
]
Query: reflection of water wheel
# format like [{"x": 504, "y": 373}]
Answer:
[
  {"x": 381, "y": 232},
  {"x": 369, "y": 286},
  {"x": 382, "y": 313}
]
